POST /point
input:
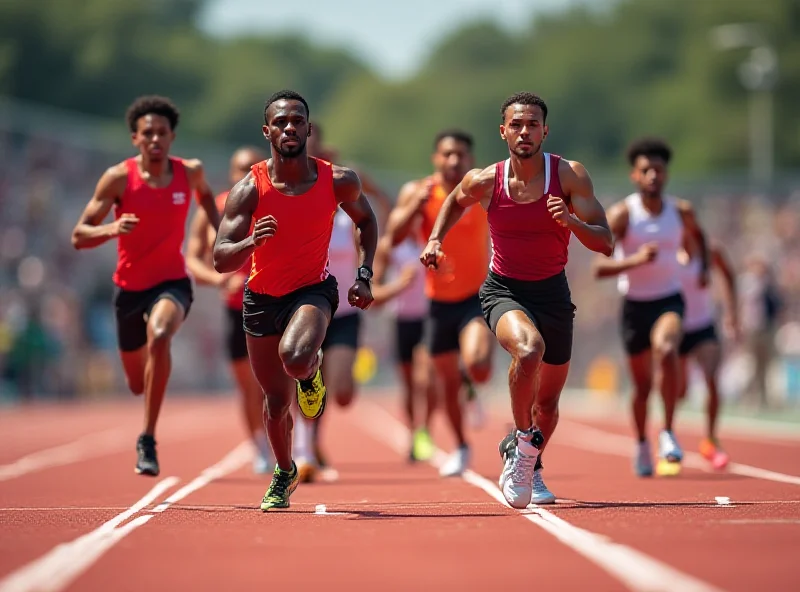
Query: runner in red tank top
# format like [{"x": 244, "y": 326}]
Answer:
[
  {"x": 150, "y": 194},
  {"x": 280, "y": 216},
  {"x": 231, "y": 286},
  {"x": 534, "y": 202}
]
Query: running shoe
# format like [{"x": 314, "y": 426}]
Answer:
[
  {"x": 147, "y": 460},
  {"x": 312, "y": 394},
  {"x": 280, "y": 488}
]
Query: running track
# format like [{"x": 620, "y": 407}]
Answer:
[{"x": 74, "y": 516}]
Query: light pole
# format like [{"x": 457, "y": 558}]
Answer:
[{"x": 758, "y": 74}]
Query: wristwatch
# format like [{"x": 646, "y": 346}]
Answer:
[{"x": 364, "y": 274}]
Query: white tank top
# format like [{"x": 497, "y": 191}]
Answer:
[
  {"x": 699, "y": 312},
  {"x": 660, "y": 277},
  {"x": 343, "y": 260},
  {"x": 411, "y": 303}
]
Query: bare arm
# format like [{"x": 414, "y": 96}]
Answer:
[
  {"x": 383, "y": 291},
  {"x": 691, "y": 227},
  {"x": 90, "y": 231},
  {"x": 720, "y": 261},
  {"x": 405, "y": 214},
  {"x": 197, "y": 250},
  {"x": 203, "y": 193},
  {"x": 234, "y": 243},
  {"x": 476, "y": 187},
  {"x": 589, "y": 223},
  {"x": 604, "y": 267},
  {"x": 353, "y": 202}
]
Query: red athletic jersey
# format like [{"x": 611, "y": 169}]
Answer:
[
  {"x": 527, "y": 244},
  {"x": 235, "y": 299},
  {"x": 153, "y": 252},
  {"x": 297, "y": 255}
]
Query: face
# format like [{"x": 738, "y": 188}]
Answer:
[
  {"x": 287, "y": 128},
  {"x": 649, "y": 175},
  {"x": 153, "y": 137},
  {"x": 524, "y": 130},
  {"x": 452, "y": 159},
  {"x": 241, "y": 162}
]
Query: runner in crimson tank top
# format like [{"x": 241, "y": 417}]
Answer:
[
  {"x": 151, "y": 196},
  {"x": 280, "y": 216},
  {"x": 455, "y": 333},
  {"x": 231, "y": 286},
  {"x": 535, "y": 201}
]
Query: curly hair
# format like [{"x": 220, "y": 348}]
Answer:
[
  {"x": 523, "y": 98},
  {"x": 152, "y": 105}
]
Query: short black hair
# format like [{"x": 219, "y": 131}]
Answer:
[
  {"x": 457, "y": 134},
  {"x": 288, "y": 95},
  {"x": 649, "y": 147},
  {"x": 523, "y": 98},
  {"x": 152, "y": 105}
]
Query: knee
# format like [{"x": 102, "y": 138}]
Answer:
[
  {"x": 160, "y": 337},
  {"x": 529, "y": 355},
  {"x": 666, "y": 350},
  {"x": 276, "y": 407},
  {"x": 135, "y": 385},
  {"x": 297, "y": 360},
  {"x": 479, "y": 371}
]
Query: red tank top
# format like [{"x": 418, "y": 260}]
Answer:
[
  {"x": 153, "y": 252},
  {"x": 234, "y": 300},
  {"x": 297, "y": 255},
  {"x": 527, "y": 244}
]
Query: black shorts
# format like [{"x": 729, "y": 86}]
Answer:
[
  {"x": 408, "y": 335},
  {"x": 132, "y": 306},
  {"x": 694, "y": 338},
  {"x": 639, "y": 317},
  {"x": 547, "y": 303},
  {"x": 235, "y": 339},
  {"x": 343, "y": 331},
  {"x": 446, "y": 320},
  {"x": 266, "y": 315}
]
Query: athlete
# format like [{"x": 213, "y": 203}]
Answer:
[
  {"x": 398, "y": 281},
  {"x": 456, "y": 334},
  {"x": 231, "y": 286},
  {"x": 342, "y": 338},
  {"x": 535, "y": 201},
  {"x": 281, "y": 216},
  {"x": 150, "y": 194},
  {"x": 648, "y": 227},
  {"x": 700, "y": 340}
]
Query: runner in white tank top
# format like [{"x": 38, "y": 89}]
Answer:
[
  {"x": 648, "y": 227},
  {"x": 700, "y": 339}
]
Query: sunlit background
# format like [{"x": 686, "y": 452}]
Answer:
[{"x": 720, "y": 79}]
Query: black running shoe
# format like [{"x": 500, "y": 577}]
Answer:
[{"x": 147, "y": 462}]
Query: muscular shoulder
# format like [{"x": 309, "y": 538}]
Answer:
[
  {"x": 617, "y": 216},
  {"x": 478, "y": 182},
  {"x": 346, "y": 183},
  {"x": 194, "y": 168},
  {"x": 115, "y": 179},
  {"x": 683, "y": 206},
  {"x": 243, "y": 195},
  {"x": 574, "y": 176}
]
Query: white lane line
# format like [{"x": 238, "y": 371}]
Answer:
[
  {"x": 588, "y": 438},
  {"x": 235, "y": 459},
  {"x": 322, "y": 510},
  {"x": 722, "y": 501},
  {"x": 90, "y": 446},
  {"x": 58, "y": 568},
  {"x": 634, "y": 569}
]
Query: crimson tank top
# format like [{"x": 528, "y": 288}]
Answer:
[
  {"x": 153, "y": 252},
  {"x": 297, "y": 255},
  {"x": 527, "y": 244}
]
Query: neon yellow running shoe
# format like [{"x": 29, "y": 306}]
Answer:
[
  {"x": 280, "y": 488},
  {"x": 422, "y": 447},
  {"x": 312, "y": 394}
]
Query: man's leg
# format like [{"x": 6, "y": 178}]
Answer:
[
  {"x": 708, "y": 355},
  {"x": 133, "y": 364},
  {"x": 641, "y": 368},
  {"x": 477, "y": 348}
]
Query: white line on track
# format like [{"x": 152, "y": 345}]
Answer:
[
  {"x": 588, "y": 438},
  {"x": 90, "y": 446},
  {"x": 58, "y": 568},
  {"x": 634, "y": 569}
]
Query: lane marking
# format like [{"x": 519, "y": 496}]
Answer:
[
  {"x": 723, "y": 501},
  {"x": 761, "y": 521},
  {"x": 633, "y": 568},
  {"x": 322, "y": 510},
  {"x": 232, "y": 461},
  {"x": 65, "y": 562},
  {"x": 592, "y": 439},
  {"x": 58, "y": 568}
]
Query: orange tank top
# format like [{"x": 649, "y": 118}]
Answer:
[
  {"x": 465, "y": 248},
  {"x": 297, "y": 256},
  {"x": 235, "y": 299},
  {"x": 153, "y": 252}
]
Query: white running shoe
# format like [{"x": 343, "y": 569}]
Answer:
[
  {"x": 519, "y": 456},
  {"x": 668, "y": 447},
  {"x": 541, "y": 495},
  {"x": 456, "y": 463},
  {"x": 643, "y": 462}
]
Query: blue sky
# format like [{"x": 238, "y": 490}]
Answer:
[{"x": 392, "y": 36}]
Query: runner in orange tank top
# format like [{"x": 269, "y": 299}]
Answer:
[
  {"x": 280, "y": 216},
  {"x": 151, "y": 196},
  {"x": 231, "y": 286},
  {"x": 455, "y": 323}
]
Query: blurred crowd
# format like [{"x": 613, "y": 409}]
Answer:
[{"x": 57, "y": 337}]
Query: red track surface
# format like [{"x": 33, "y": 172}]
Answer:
[{"x": 386, "y": 524}]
